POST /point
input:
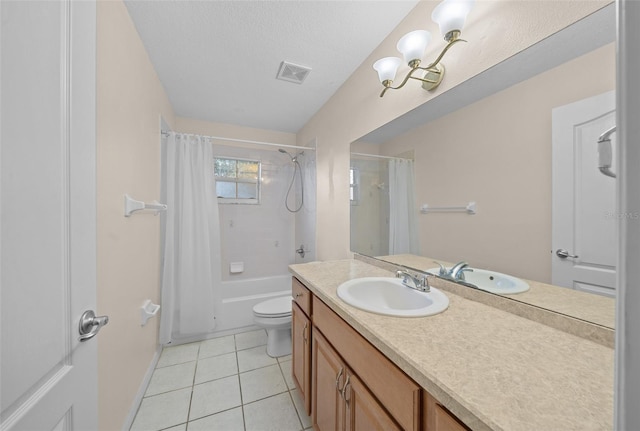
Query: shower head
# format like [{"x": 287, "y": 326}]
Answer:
[{"x": 293, "y": 158}]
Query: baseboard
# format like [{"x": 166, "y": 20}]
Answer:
[
  {"x": 141, "y": 391},
  {"x": 215, "y": 334}
]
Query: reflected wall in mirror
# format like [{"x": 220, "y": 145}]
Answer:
[{"x": 496, "y": 151}]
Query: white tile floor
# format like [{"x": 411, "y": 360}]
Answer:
[{"x": 227, "y": 384}]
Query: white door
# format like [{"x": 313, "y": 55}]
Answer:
[
  {"x": 47, "y": 155},
  {"x": 584, "y": 200}
]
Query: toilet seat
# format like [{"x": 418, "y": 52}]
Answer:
[{"x": 273, "y": 308}]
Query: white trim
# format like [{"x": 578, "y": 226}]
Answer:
[
  {"x": 142, "y": 390},
  {"x": 627, "y": 367},
  {"x": 212, "y": 335}
]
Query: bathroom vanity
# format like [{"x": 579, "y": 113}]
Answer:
[{"x": 473, "y": 366}]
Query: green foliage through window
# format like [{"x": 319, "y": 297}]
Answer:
[{"x": 237, "y": 180}]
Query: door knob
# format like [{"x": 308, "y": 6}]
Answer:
[
  {"x": 90, "y": 324},
  {"x": 563, "y": 254}
]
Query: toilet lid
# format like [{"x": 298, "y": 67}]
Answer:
[{"x": 276, "y": 307}]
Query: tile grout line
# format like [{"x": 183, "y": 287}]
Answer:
[
  {"x": 193, "y": 383},
  {"x": 291, "y": 395},
  {"x": 197, "y": 366},
  {"x": 244, "y": 422}
]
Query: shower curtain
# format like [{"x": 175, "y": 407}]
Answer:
[
  {"x": 403, "y": 227},
  {"x": 191, "y": 265}
]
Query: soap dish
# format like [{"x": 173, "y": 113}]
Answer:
[{"x": 147, "y": 311}]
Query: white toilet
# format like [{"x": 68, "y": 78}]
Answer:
[{"x": 274, "y": 315}]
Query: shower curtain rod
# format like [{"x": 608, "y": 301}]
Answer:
[
  {"x": 270, "y": 144},
  {"x": 379, "y": 157}
]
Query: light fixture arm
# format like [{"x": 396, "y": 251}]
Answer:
[
  {"x": 432, "y": 68},
  {"x": 444, "y": 51}
]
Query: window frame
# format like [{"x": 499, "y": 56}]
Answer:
[
  {"x": 257, "y": 182},
  {"x": 354, "y": 186}
]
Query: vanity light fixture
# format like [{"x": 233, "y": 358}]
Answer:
[{"x": 450, "y": 15}]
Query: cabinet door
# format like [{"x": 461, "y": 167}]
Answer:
[
  {"x": 364, "y": 413},
  {"x": 301, "y": 350},
  {"x": 437, "y": 418},
  {"x": 328, "y": 378}
]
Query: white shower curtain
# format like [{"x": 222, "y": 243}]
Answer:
[
  {"x": 403, "y": 227},
  {"x": 191, "y": 265}
]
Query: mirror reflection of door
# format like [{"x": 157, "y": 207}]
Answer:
[{"x": 584, "y": 237}]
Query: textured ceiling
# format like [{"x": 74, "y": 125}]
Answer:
[{"x": 218, "y": 60}]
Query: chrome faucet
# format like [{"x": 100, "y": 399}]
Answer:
[
  {"x": 456, "y": 272},
  {"x": 417, "y": 281}
]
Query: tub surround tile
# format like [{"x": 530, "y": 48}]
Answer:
[
  {"x": 163, "y": 411},
  {"x": 253, "y": 358},
  {"x": 247, "y": 340},
  {"x": 214, "y": 397},
  {"x": 217, "y": 346},
  {"x": 275, "y": 413},
  {"x": 262, "y": 383},
  {"x": 491, "y": 368}
]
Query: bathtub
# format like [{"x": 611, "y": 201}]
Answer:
[{"x": 236, "y": 298}]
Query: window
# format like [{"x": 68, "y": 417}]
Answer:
[
  {"x": 237, "y": 181},
  {"x": 354, "y": 185}
]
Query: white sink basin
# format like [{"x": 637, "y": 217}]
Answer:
[
  {"x": 492, "y": 281},
  {"x": 388, "y": 296}
]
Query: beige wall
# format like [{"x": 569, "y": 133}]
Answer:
[
  {"x": 130, "y": 101},
  {"x": 497, "y": 152},
  {"x": 495, "y": 30}
]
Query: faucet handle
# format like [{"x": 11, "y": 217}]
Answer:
[
  {"x": 443, "y": 270},
  {"x": 460, "y": 274}
]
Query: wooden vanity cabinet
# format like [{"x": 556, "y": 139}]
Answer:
[
  {"x": 437, "y": 417},
  {"x": 378, "y": 392},
  {"x": 328, "y": 377},
  {"x": 341, "y": 402},
  {"x": 347, "y": 384},
  {"x": 301, "y": 342},
  {"x": 301, "y": 352}
]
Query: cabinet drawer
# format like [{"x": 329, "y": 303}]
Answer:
[
  {"x": 301, "y": 296},
  {"x": 398, "y": 393}
]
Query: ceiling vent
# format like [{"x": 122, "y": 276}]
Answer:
[{"x": 292, "y": 72}]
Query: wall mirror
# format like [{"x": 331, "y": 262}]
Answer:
[{"x": 484, "y": 153}]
